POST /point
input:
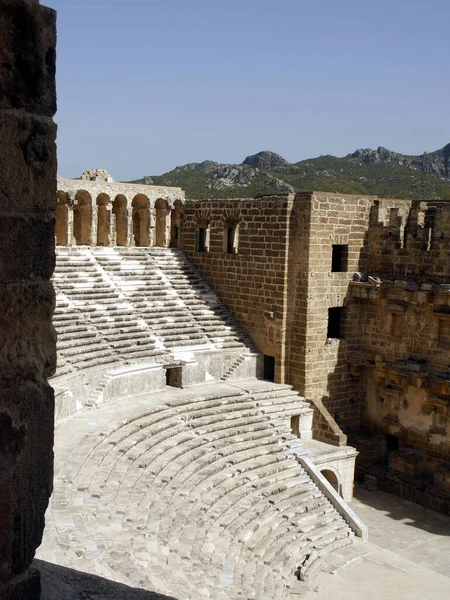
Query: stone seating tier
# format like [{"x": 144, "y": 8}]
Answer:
[
  {"x": 194, "y": 493},
  {"x": 118, "y": 304}
]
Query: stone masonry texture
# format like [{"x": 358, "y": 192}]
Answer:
[
  {"x": 27, "y": 359},
  {"x": 386, "y": 372}
]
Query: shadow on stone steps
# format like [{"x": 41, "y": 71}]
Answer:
[{"x": 61, "y": 583}]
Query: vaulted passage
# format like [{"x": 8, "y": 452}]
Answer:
[{"x": 332, "y": 479}]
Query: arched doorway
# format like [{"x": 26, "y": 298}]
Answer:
[
  {"x": 332, "y": 479},
  {"x": 82, "y": 218},
  {"x": 141, "y": 220},
  {"x": 175, "y": 224},
  {"x": 121, "y": 213},
  {"x": 161, "y": 208},
  {"x": 103, "y": 219},
  {"x": 62, "y": 219}
]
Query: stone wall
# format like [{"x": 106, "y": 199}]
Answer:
[
  {"x": 318, "y": 362},
  {"x": 28, "y": 357},
  {"x": 281, "y": 283},
  {"x": 401, "y": 349},
  {"x": 251, "y": 279},
  {"x": 351, "y": 296},
  {"x": 410, "y": 241}
]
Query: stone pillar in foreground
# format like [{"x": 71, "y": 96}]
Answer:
[{"x": 28, "y": 348}]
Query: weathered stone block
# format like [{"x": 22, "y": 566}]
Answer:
[
  {"x": 34, "y": 256},
  {"x": 27, "y": 57},
  {"x": 28, "y": 347},
  {"x": 27, "y": 162},
  {"x": 408, "y": 463},
  {"x": 442, "y": 477},
  {"x": 26, "y": 456},
  {"x": 26, "y": 586}
]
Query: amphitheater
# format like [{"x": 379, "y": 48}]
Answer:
[
  {"x": 178, "y": 467},
  {"x": 189, "y": 388}
]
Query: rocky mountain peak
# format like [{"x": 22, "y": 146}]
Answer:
[
  {"x": 379, "y": 172},
  {"x": 433, "y": 163},
  {"x": 265, "y": 160}
]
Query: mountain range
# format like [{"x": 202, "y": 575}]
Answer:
[{"x": 379, "y": 172}]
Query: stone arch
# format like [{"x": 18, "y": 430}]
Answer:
[
  {"x": 62, "y": 219},
  {"x": 103, "y": 219},
  {"x": 161, "y": 212},
  {"x": 120, "y": 211},
  {"x": 204, "y": 214},
  {"x": 82, "y": 218},
  {"x": 141, "y": 220},
  {"x": 176, "y": 215},
  {"x": 333, "y": 477}
]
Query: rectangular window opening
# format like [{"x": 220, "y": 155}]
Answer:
[
  {"x": 334, "y": 330},
  {"x": 339, "y": 258},
  {"x": 269, "y": 368},
  {"x": 201, "y": 239},
  {"x": 230, "y": 240}
]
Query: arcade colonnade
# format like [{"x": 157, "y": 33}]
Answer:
[{"x": 86, "y": 219}]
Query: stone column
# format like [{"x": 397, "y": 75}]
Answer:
[
  {"x": 94, "y": 224},
  {"x": 144, "y": 227},
  {"x": 70, "y": 236},
  {"x": 167, "y": 231},
  {"x": 130, "y": 241},
  {"x": 112, "y": 227},
  {"x": 27, "y": 223}
]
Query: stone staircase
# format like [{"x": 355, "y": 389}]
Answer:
[
  {"x": 229, "y": 372},
  {"x": 195, "y": 493},
  {"x": 117, "y": 305}
]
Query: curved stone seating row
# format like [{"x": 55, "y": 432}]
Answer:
[
  {"x": 78, "y": 340},
  {"x": 125, "y": 304},
  {"x": 193, "y": 493}
]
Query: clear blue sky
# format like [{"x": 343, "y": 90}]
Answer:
[{"x": 144, "y": 86}]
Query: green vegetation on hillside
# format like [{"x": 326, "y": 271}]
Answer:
[
  {"x": 347, "y": 175},
  {"x": 383, "y": 176}
]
